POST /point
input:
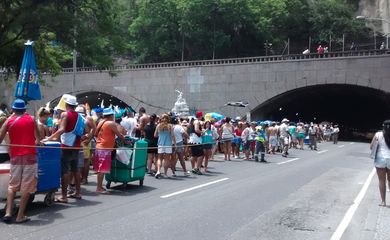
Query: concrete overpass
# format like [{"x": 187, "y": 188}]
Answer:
[{"x": 269, "y": 84}]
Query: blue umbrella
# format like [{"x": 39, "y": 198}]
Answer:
[
  {"x": 216, "y": 116},
  {"x": 28, "y": 87}
]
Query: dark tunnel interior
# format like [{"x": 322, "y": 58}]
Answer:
[
  {"x": 359, "y": 111},
  {"x": 94, "y": 99}
]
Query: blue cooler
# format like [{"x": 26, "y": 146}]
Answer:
[
  {"x": 306, "y": 141},
  {"x": 49, "y": 167}
]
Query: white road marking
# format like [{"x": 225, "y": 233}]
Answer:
[
  {"x": 341, "y": 146},
  {"x": 291, "y": 160},
  {"x": 193, "y": 188},
  {"x": 323, "y": 151},
  {"x": 352, "y": 143},
  {"x": 352, "y": 209}
]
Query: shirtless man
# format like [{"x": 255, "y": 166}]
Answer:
[
  {"x": 143, "y": 120},
  {"x": 272, "y": 138}
]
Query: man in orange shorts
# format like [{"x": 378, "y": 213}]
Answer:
[{"x": 22, "y": 130}]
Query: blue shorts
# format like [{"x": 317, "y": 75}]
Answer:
[
  {"x": 382, "y": 162},
  {"x": 236, "y": 141}
]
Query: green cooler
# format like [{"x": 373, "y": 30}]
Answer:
[{"x": 133, "y": 171}]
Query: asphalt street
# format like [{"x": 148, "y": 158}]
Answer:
[{"x": 304, "y": 196}]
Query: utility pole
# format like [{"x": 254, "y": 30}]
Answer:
[
  {"x": 182, "y": 46},
  {"x": 288, "y": 46},
  {"x": 74, "y": 56}
]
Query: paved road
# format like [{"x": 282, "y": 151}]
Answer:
[{"x": 302, "y": 197}]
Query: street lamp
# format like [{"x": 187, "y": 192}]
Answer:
[{"x": 377, "y": 19}]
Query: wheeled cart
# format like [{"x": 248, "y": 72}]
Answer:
[
  {"x": 4, "y": 179},
  {"x": 49, "y": 172},
  {"x": 134, "y": 171},
  {"x": 306, "y": 141}
]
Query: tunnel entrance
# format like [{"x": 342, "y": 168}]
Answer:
[
  {"x": 359, "y": 111},
  {"x": 94, "y": 99}
]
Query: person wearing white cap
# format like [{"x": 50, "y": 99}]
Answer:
[
  {"x": 105, "y": 141},
  {"x": 284, "y": 134},
  {"x": 69, "y": 141}
]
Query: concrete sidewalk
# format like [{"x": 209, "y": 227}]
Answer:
[
  {"x": 383, "y": 220},
  {"x": 370, "y": 222}
]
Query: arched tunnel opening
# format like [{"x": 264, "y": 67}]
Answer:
[
  {"x": 359, "y": 111},
  {"x": 94, "y": 99}
]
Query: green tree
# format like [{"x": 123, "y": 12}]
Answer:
[
  {"x": 55, "y": 25},
  {"x": 334, "y": 18}
]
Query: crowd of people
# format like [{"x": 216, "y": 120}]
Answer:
[{"x": 91, "y": 136}]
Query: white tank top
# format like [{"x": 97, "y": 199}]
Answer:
[
  {"x": 227, "y": 132},
  {"x": 383, "y": 150}
]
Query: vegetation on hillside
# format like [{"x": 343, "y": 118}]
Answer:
[{"x": 167, "y": 30}]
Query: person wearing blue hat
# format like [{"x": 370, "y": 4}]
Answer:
[
  {"x": 99, "y": 115},
  {"x": 105, "y": 134},
  {"x": 22, "y": 130}
]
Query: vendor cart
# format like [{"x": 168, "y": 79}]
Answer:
[
  {"x": 49, "y": 172},
  {"x": 4, "y": 179},
  {"x": 134, "y": 170}
]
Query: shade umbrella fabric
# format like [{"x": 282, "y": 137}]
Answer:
[
  {"x": 214, "y": 115},
  {"x": 27, "y": 87}
]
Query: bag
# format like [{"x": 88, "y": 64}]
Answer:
[
  {"x": 80, "y": 125},
  {"x": 68, "y": 139},
  {"x": 124, "y": 154},
  {"x": 374, "y": 149}
]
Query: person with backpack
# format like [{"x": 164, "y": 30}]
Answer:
[
  {"x": 70, "y": 132},
  {"x": 260, "y": 143}
]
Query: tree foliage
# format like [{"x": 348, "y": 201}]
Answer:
[
  {"x": 201, "y": 29},
  {"x": 165, "y": 30},
  {"x": 89, "y": 26}
]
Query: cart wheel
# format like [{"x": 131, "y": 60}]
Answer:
[
  {"x": 49, "y": 199},
  {"x": 31, "y": 198},
  {"x": 108, "y": 185},
  {"x": 141, "y": 182}
]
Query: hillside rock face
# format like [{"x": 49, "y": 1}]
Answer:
[{"x": 376, "y": 9}]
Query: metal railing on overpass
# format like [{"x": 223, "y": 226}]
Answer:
[{"x": 230, "y": 61}]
